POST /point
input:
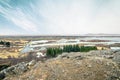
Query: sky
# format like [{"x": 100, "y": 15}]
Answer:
[{"x": 59, "y": 17}]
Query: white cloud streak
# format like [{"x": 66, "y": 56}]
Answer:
[
  {"x": 22, "y": 21},
  {"x": 19, "y": 18}
]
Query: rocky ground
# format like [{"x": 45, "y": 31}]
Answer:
[{"x": 93, "y": 65}]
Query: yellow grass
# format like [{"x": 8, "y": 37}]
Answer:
[
  {"x": 12, "y": 54},
  {"x": 100, "y": 48}
]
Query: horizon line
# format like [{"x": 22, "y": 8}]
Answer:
[{"x": 89, "y": 34}]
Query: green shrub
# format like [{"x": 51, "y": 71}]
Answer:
[
  {"x": 6, "y": 44},
  {"x": 53, "y": 52},
  {"x": 87, "y": 48}
]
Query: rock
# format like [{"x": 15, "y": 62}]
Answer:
[
  {"x": 16, "y": 69},
  {"x": 101, "y": 52},
  {"x": 31, "y": 63},
  {"x": 9, "y": 71},
  {"x": 64, "y": 55},
  {"x": 116, "y": 58},
  {"x": 79, "y": 57},
  {"x": 2, "y": 75},
  {"x": 20, "y": 68},
  {"x": 89, "y": 66},
  {"x": 72, "y": 55},
  {"x": 114, "y": 78},
  {"x": 115, "y": 51},
  {"x": 108, "y": 56}
]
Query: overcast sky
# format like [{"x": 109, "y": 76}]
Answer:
[{"x": 59, "y": 17}]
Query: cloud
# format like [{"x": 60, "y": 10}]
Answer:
[
  {"x": 18, "y": 17},
  {"x": 79, "y": 17},
  {"x": 22, "y": 21},
  {"x": 64, "y": 16}
]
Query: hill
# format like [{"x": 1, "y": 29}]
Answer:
[{"x": 93, "y": 65}]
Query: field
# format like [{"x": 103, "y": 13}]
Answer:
[{"x": 16, "y": 45}]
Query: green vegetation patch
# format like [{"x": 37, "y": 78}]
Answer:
[
  {"x": 4, "y": 43},
  {"x": 53, "y": 52}
]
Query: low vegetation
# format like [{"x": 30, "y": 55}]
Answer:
[
  {"x": 53, "y": 52},
  {"x": 87, "y": 48}
]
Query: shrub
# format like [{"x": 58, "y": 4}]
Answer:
[
  {"x": 53, "y": 52},
  {"x": 6, "y": 44},
  {"x": 87, "y": 48}
]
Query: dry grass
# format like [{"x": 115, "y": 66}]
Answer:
[{"x": 7, "y": 54}]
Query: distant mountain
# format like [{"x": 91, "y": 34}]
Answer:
[{"x": 101, "y": 34}]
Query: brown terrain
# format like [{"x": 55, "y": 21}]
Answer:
[{"x": 93, "y": 65}]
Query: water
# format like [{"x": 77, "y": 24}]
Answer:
[
  {"x": 116, "y": 39},
  {"x": 112, "y": 40}
]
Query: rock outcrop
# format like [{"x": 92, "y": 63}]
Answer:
[
  {"x": 16, "y": 69},
  {"x": 94, "y": 65}
]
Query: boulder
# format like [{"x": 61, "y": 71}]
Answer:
[
  {"x": 2, "y": 75},
  {"x": 16, "y": 69}
]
